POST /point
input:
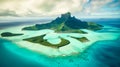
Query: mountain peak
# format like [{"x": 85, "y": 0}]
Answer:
[
  {"x": 66, "y": 15},
  {"x": 66, "y": 23}
]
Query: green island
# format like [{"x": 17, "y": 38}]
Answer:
[
  {"x": 40, "y": 40},
  {"x": 66, "y": 23},
  {"x": 9, "y": 34},
  {"x": 64, "y": 36},
  {"x": 82, "y": 39}
]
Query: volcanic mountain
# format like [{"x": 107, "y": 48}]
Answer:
[{"x": 66, "y": 23}]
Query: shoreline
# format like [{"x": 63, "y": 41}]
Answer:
[{"x": 75, "y": 47}]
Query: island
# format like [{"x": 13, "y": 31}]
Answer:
[
  {"x": 40, "y": 40},
  {"x": 82, "y": 39},
  {"x": 9, "y": 34},
  {"x": 66, "y": 23},
  {"x": 64, "y": 36}
]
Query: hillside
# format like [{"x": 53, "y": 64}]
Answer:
[{"x": 66, "y": 23}]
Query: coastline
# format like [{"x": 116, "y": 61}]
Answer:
[{"x": 74, "y": 47}]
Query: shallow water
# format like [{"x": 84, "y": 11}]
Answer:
[{"x": 100, "y": 54}]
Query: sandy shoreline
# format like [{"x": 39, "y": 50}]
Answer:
[{"x": 74, "y": 47}]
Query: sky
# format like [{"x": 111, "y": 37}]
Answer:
[{"x": 40, "y": 8}]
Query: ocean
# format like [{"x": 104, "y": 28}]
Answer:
[{"x": 104, "y": 53}]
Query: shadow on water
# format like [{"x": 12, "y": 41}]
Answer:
[
  {"x": 9, "y": 59},
  {"x": 107, "y": 53}
]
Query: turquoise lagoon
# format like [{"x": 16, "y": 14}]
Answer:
[{"x": 103, "y": 53}]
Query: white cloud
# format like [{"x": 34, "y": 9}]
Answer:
[
  {"x": 42, "y": 7},
  {"x": 96, "y": 5},
  {"x": 49, "y": 7}
]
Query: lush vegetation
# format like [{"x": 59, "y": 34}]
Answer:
[
  {"x": 66, "y": 23},
  {"x": 8, "y": 34},
  {"x": 40, "y": 40},
  {"x": 82, "y": 39}
]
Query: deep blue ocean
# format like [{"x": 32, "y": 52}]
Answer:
[{"x": 101, "y": 54}]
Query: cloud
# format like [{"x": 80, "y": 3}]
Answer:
[
  {"x": 49, "y": 7},
  {"x": 7, "y": 13},
  {"x": 95, "y": 5},
  {"x": 41, "y": 7}
]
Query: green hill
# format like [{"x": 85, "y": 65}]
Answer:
[{"x": 66, "y": 23}]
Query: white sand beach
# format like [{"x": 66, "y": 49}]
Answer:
[{"x": 74, "y": 47}]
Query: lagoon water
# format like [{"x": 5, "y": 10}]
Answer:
[{"x": 100, "y": 54}]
